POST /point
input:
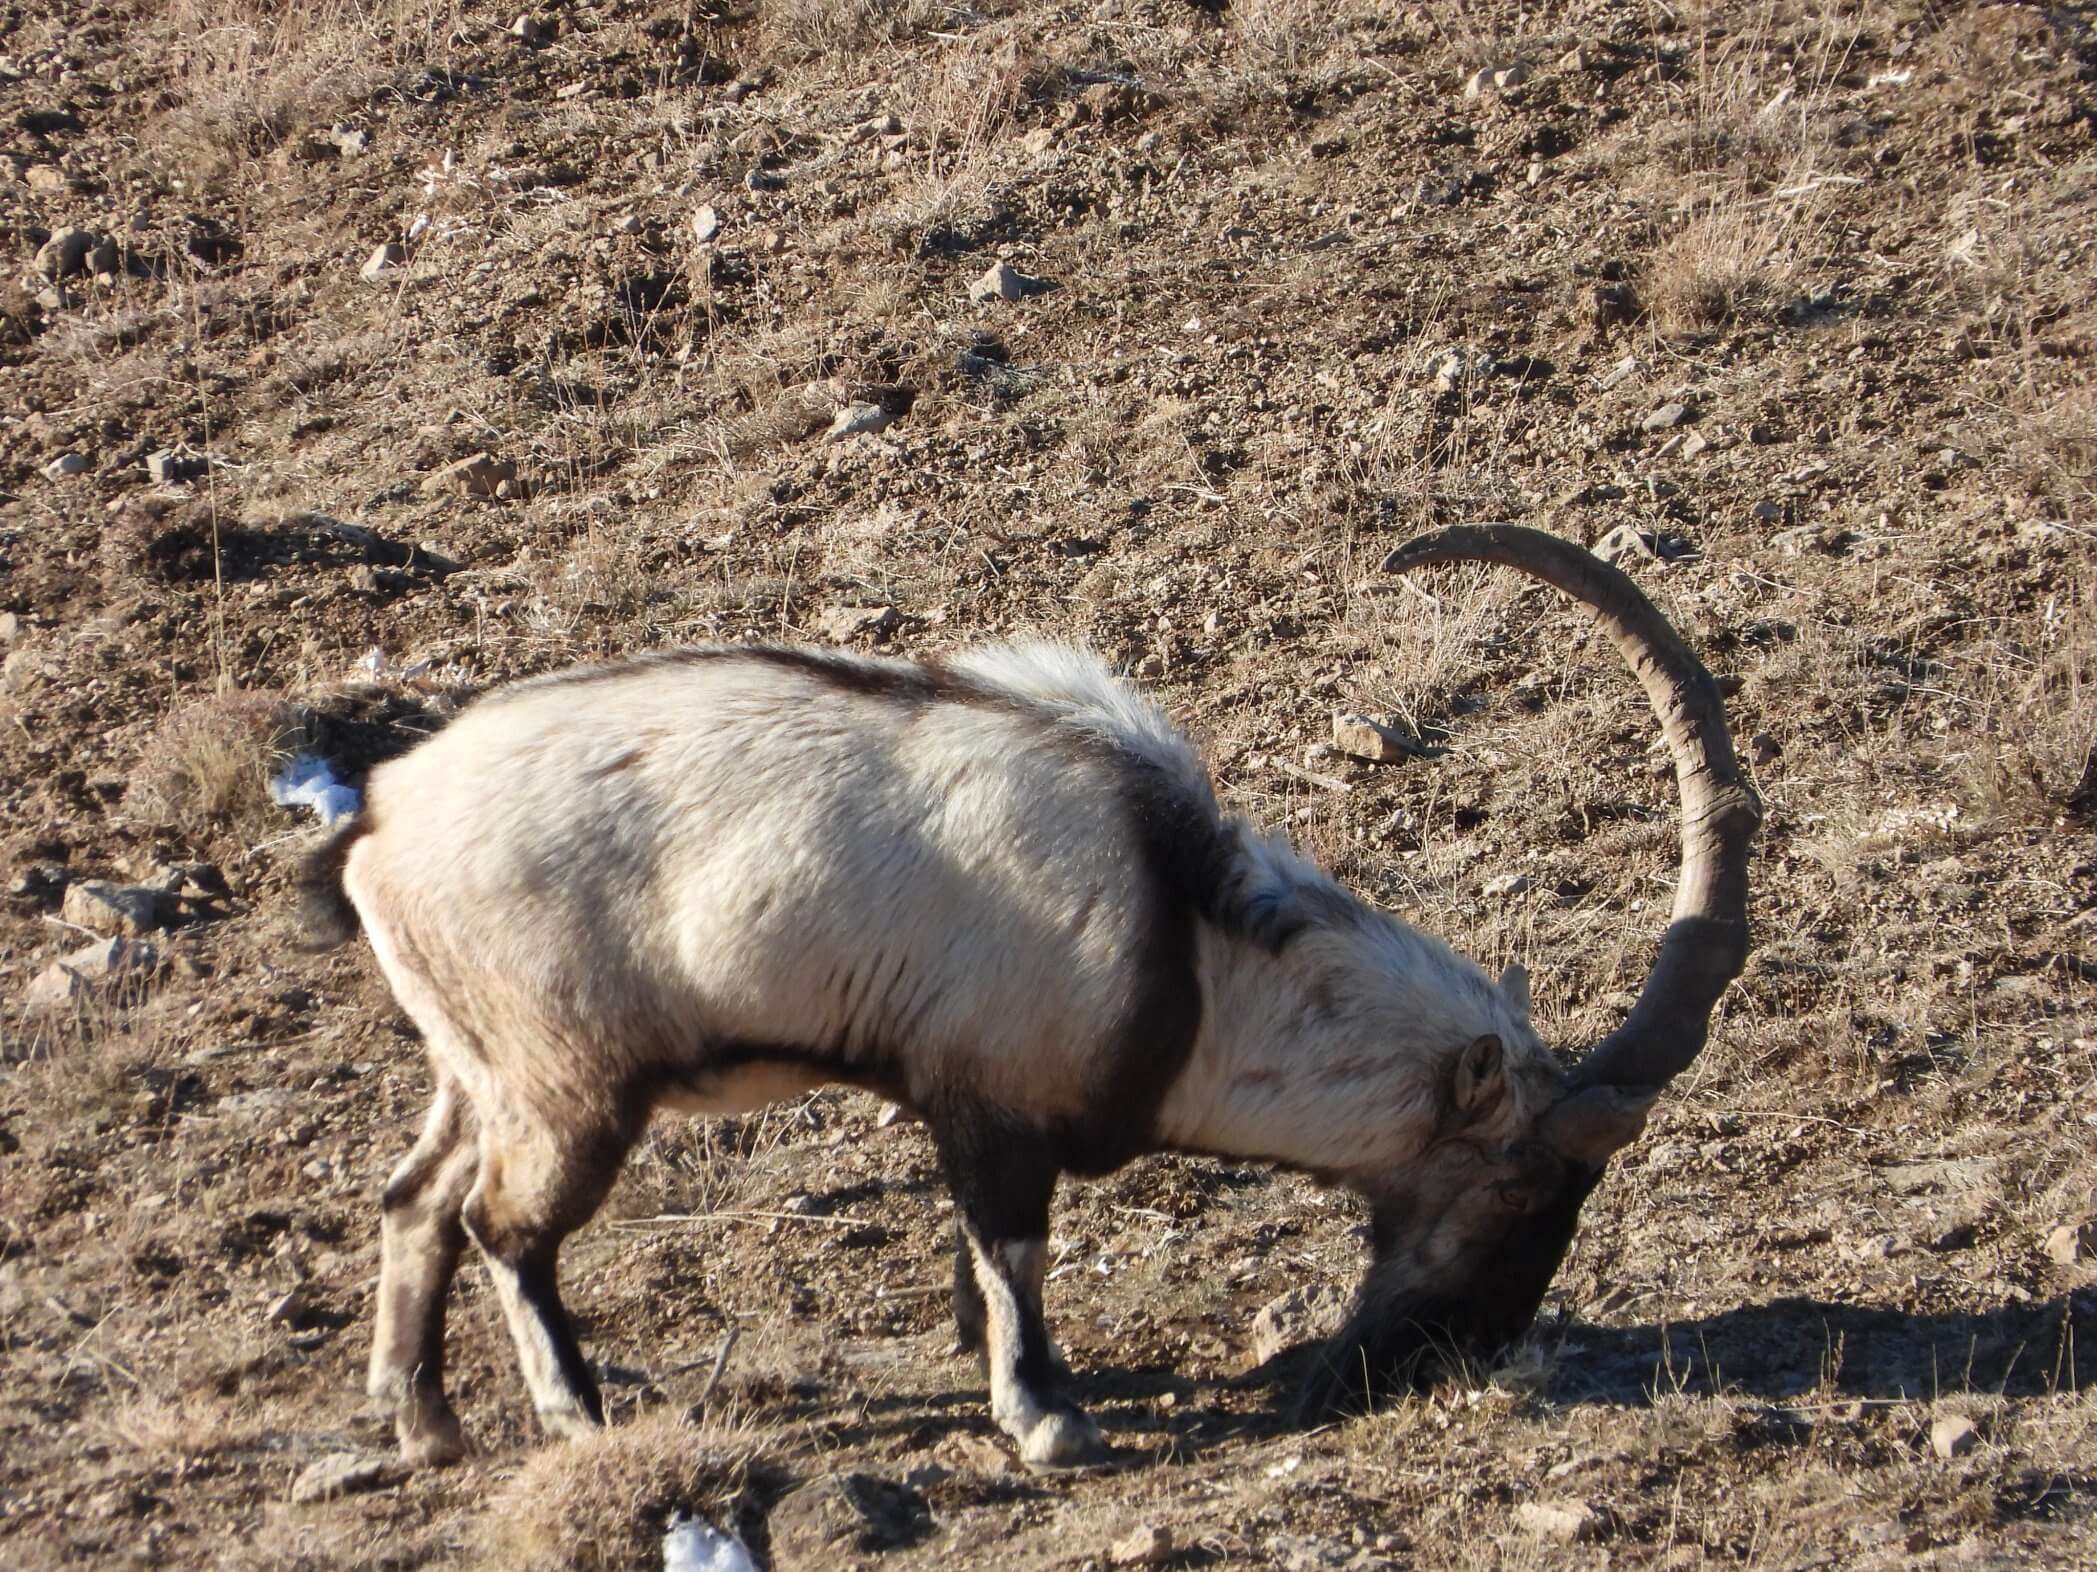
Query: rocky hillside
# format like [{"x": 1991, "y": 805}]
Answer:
[{"x": 357, "y": 354}]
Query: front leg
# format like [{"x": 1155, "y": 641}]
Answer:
[{"x": 1002, "y": 1178}]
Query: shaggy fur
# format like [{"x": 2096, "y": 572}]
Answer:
[{"x": 996, "y": 889}]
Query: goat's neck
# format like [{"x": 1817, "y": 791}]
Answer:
[{"x": 1282, "y": 1071}]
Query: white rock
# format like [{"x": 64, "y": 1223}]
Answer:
[
  {"x": 1623, "y": 369},
  {"x": 1510, "y": 76},
  {"x": 528, "y": 29},
  {"x": 1665, "y": 418},
  {"x": 706, "y": 224},
  {"x": 1953, "y": 1435},
  {"x": 65, "y": 466},
  {"x": 1626, "y": 543},
  {"x": 1507, "y": 884}
]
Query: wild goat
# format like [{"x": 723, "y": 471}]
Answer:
[{"x": 997, "y": 889}]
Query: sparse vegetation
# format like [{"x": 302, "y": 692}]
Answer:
[{"x": 1309, "y": 297}]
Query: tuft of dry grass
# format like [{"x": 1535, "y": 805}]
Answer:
[
  {"x": 208, "y": 765},
  {"x": 600, "y": 1504},
  {"x": 1729, "y": 263}
]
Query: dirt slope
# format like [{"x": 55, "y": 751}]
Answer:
[{"x": 1789, "y": 305}]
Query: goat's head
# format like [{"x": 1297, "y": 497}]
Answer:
[{"x": 1467, "y": 1242}]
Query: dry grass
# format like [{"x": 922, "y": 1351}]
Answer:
[
  {"x": 207, "y": 768},
  {"x": 1732, "y": 262},
  {"x": 601, "y": 1504},
  {"x": 250, "y": 74}
]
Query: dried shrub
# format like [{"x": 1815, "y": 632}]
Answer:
[
  {"x": 209, "y": 764},
  {"x": 600, "y": 1504},
  {"x": 1730, "y": 263}
]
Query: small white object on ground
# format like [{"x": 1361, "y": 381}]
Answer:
[
  {"x": 692, "y": 1544},
  {"x": 308, "y": 782}
]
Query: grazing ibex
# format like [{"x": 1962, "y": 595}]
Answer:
[{"x": 997, "y": 889}]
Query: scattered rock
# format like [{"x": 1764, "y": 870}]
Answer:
[
  {"x": 481, "y": 475},
  {"x": 2072, "y": 1242},
  {"x": 1142, "y": 1547},
  {"x": 1451, "y": 368},
  {"x": 1627, "y": 543},
  {"x": 1509, "y": 884},
  {"x": 843, "y": 624},
  {"x": 348, "y": 140},
  {"x": 1364, "y": 738},
  {"x": 1764, "y": 748},
  {"x": 1574, "y": 59},
  {"x": 65, "y": 253},
  {"x": 65, "y": 466},
  {"x": 342, "y": 1474},
  {"x": 1306, "y": 1314},
  {"x": 529, "y": 30},
  {"x": 1500, "y": 78},
  {"x": 1767, "y": 512},
  {"x": 10, "y": 627},
  {"x": 1562, "y": 1522},
  {"x": 706, "y": 224},
  {"x": 1693, "y": 444},
  {"x": 842, "y": 1515},
  {"x": 383, "y": 262},
  {"x": 1953, "y": 1435},
  {"x": 167, "y": 467},
  {"x": 46, "y": 179},
  {"x": 1666, "y": 418},
  {"x": 102, "y": 907},
  {"x": 1510, "y": 76},
  {"x": 856, "y": 420},
  {"x": 1622, "y": 371},
  {"x": 287, "y": 1309},
  {"x": 18, "y": 671},
  {"x": 1004, "y": 282}
]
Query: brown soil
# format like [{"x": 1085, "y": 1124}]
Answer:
[{"x": 1856, "y": 243}]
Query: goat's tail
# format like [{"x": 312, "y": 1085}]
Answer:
[{"x": 324, "y": 910}]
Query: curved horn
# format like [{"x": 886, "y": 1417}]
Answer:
[{"x": 1707, "y": 942}]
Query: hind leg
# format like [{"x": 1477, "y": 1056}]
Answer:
[
  {"x": 421, "y": 1239},
  {"x": 538, "y": 1183}
]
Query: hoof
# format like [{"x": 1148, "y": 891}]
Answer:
[
  {"x": 1062, "y": 1439},
  {"x": 434, "y": 1440},
  {"x": 569, "y": 1423}
]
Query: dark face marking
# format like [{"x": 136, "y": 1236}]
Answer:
[{"x": 1408, "y": 1333}]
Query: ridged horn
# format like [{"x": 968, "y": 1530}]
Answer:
[{"x": 1706, "y": 943}]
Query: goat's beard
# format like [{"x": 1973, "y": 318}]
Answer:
[{"x": 1403, "y": 1337}]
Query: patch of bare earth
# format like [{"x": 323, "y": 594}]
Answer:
[{"x": 1306, "y": 297}]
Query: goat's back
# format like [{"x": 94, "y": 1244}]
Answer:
[{"x": 681, "y": 867}]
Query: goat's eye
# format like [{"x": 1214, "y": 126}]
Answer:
[{"x": 1514, "y": 1195}]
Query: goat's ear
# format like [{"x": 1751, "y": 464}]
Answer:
[
  {"x": 1481, "y": 1077},
  {"x": 1514, "y": 985}
]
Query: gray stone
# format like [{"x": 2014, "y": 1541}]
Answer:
[
  {"x": 349, "y": 141},
  {"x": 102, "y": 907},
  {"x": 1509, "y": 884},
  {"x": 528, "y": 30},
  {"x": 1694, "y": 443},
  {"x": 1666, "y": 417},
  {"x": 859, "y": 420},
  {"x": 345, "y": 1473},
  {"x": 826, "y": 1522},
  {"x": 1627, "y": 543},
  {"x": 383, "y": 262},
  {"x": 1621, "y": 371},
  {"x": 65, "y": 253},
  {"x": 706, "y": 224},
  {"x": 167, "y": 467},
  {"x": 65, "y": 466},
  {"x": 73, "y": 978},
  {"x": 1304, "y": 1314}
]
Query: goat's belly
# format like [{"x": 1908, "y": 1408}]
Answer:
[{"x": 741, "y": 1089}]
